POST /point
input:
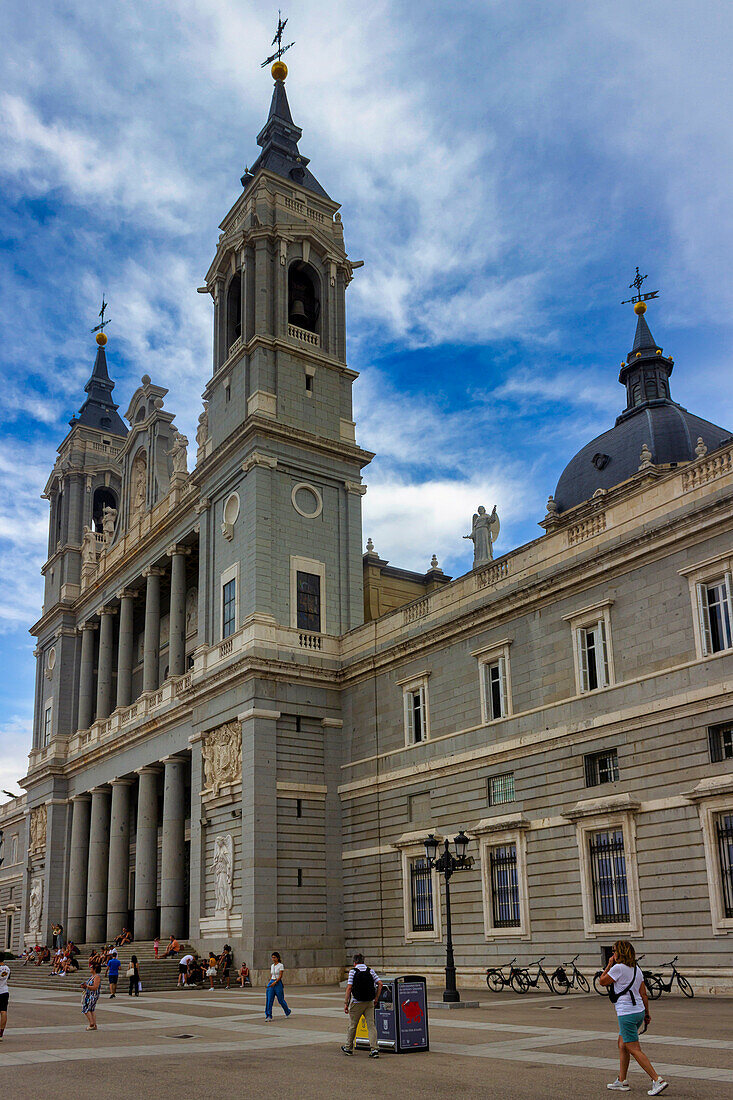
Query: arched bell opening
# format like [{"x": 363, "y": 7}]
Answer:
[
  {"x": 234, "y": 310},
  {"x": 103, "y": 498},
  {"x": 304, "y": 297}
]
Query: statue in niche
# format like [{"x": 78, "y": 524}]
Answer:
[
  {"x": 109, "y": 518},
  {"x": 202, "y": 432},
  {"x": 35, "y": 906},
  {"x": 192, "y": 610},
  {"x": 484, "y": 532},
  {"x": 222, "y": 755},
  {"x": 37, "y": 829},
  {"x": 88, "y": 548},
  {"x": 222, "y": 866},
  {"x": 138, "y": 492},
  {"x": 178, "y": 453}
]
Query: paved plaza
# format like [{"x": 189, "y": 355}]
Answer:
[{"x": 201, "y": 1044}]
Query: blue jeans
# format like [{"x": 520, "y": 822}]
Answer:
[{"x": 273, "y": 991}]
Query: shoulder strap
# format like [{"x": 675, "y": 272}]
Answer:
[{"x": 628, "y": 987}]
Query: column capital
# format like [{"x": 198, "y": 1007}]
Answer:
[
  {"x": 88, "y": 625},
  {"x": 85, "y": 797},
  {"x": 122, "y": 781},
  {"x": 355, "y": 487},
  {"x": 103, "y": 788},
  {"x": 126, "y": 593},
  {"x": 148, "y": 769},
  {"x": 175, "y": 548},
  {"x": 108, "y": 610},
  {"x": 153, "y": 571},
  {"x": 202, "y": 505},
  {"x": 174, "y": 759}
]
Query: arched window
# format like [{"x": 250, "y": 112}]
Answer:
[
  {"x": 304, "y": 301},
  {"x": 234, "y": 310},
  {"x": 651, "y": 387},
  {"x": 636, "y": 393},
  {"x": 103, "y": 498}
]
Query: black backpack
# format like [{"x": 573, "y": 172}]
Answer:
[{"x": 362, "y": 987}]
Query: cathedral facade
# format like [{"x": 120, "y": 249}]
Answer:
[{"x": 245, "y": 727}]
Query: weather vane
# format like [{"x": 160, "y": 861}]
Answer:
[
  {"x": 639, "y": 297},
  {"x": 102, "y": 323},
  {"x": 277, "y": 56}
]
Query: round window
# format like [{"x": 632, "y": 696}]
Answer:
[
  {"x": 231, "y": 509},
  {"x": 51, "y": 660},
  {"x": 307, "y": 500}
]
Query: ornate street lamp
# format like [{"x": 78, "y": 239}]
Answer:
[{"x": 446, "y": 865}]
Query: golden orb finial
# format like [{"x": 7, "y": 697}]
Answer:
[
  {"x": 640, "y": 308},
  {"x": 279, "y": 70},
  {"x": 101, "y": 339}
]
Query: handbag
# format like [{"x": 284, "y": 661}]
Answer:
[
  {"x": 613, "y": 996},
  {"x": 130, "y": 972}
]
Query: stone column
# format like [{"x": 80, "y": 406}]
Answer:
[
  {"x": 152, "y": 629},
  {"x": 76, "y": 920},
  {"x": 146, "y": 856},
  {"x": 177, "y": 634},
  {"x": 125, "y": 648},
  {"x": 86, "y": 676},
  {"x": 118, "y": 879},
  {"x": 98, "y": 867},
  {"x": 173, "y": 851},
  {"x": 104, "y": 666}
]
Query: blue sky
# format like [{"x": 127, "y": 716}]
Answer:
[{"x": 503, "y": 165}]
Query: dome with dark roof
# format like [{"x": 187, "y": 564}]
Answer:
[{"x": 651, "y": 417}]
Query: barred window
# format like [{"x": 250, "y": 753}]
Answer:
[
  {"x": 421, "y": 895},
  {"x": 715, "y": 606},
  {"x": 724, "y": 830},
  {"x": 504, "y": 886},
  {"x": 608, "y": 876},
  {"x": 601, "y": 767},
  {"x": 229, "y": 608},
  {"x": 308, "y": 587},
  {"x": 501, "y": 788},
  {"x": 720, "y": 739}
]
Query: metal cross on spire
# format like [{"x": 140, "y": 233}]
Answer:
[
  {"x": 281, "y": 24},
  {"x": 639, "y": 297},
  {"x": 102, "y": 323}
]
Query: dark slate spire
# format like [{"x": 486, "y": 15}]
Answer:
[
  {"x": 99, "y": 410},
  {"x": 278, "y": 140},
  {"x": 643, "y": 340},
  {"x": 646, "y": 371}
]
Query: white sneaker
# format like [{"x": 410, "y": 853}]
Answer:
[
  {"x": 619, "y": 1086},
  {"x": 658, "y": 1086}
]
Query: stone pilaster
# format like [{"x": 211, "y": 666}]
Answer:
[
  {"x": 177, "y": 638},
  {"x": 118, "y": 879},
  {"x": 86, "y": 676},
  {"x": 98, "y": 868},
  {"x": 125, "y": 648},
  {"x": 146, "y": 856},
  {"x": 173, "y": 861},
  {"x": 152, "y": 629},
  {"x": 104, "y": 666},
  {"x": 76, "y": 920},
  {"x": 259, "y": 833}
]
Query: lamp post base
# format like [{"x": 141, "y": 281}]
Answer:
[{"x": 450, "y": 996}]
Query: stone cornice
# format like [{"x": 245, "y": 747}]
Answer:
[{"x": 604, "y": 804}]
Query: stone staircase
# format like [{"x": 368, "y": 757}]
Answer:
[{"x": 157, "y": 976}]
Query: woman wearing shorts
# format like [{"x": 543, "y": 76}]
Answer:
[
  {"x": 4, "y": 994},
  {"x": 632, "y": 1009}
]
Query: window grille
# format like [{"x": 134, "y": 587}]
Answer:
[
  {"x": 715, "y": 606},
  {"x": 608, "y": 874},
  {"x": 421, "y": 895},
  {"x": 308, "y": 586},
  {"x": 601, "y": 767},
  {"x": 501, "y": 789},
  {"x": 720, "y": 739},
  {"x": 724, "y": 828},
  {"x": 229, "y": 608},
  {"x": 505, "y": 886}
]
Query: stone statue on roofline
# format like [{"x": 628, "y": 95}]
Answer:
[{"x": 484, "y": 532}]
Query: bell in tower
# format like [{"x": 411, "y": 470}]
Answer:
[{"x": 304, "y": 303}]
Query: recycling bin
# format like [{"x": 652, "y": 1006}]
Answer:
[{"x": 401, "y": 1017}]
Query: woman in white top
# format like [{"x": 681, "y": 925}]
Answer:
[
  {"x": 275, "y": 987},
  {"x": 4, "y": 994},
  {"x": 632, "y": 1009}
]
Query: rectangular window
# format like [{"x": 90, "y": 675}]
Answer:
[
  {"x": 300, "y": 876},
  {"x": 593, "y": 656},
  {"x": 308, "y": 588},
  {"x": 601, "y": 767},
  {"x": 229, "y": 608},
  {"x": 504, "y": 886},
  {"x": 724, "y": 829},
  {"x": 298, "y": 807},
  {"x": 716, "y": 615},
  {"x": 415, "y": 715},
  {"x": 495, "y": 689},
  {"x": 14, "y": 850},
  {"x": 421, "y": 895},
  {"x": 47, "y": 717},
  {"x": 721, "y": 743},
  {"x": 501, "y": 789},
  {"x": 608, "y": 877}
]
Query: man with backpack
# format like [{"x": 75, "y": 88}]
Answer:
[{"x": 362, "y": 997}]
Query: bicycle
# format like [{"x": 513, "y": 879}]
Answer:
[
  {"x": 604, "y": 990},
  {"x": 576, "y": 978},
  {"x": 558, "y": 983},
  {"x": 656, "y": 984},
  {"x": 496, "y": 979}
]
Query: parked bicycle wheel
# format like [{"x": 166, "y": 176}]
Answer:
[
  {"x": 560, "y": 981},
  {"x": 519, "y": 982},
  {"x": 495, "y": 981},
  {"x": 602, "y": 989},
  {"x": 685, "y": 986},
  {"x": 653, "y": 986},
  {"x": 582, "y": 982}
]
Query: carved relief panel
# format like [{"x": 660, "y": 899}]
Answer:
[{"x": 221, "y": 750}]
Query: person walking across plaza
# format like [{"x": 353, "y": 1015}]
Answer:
[
  {"x": 113, "y": 972},
  {"x": 4, "y": 994},
  {"x": 275, "y": 987},
  {"x": 133, "y": 974},
  {"x": 91, "y": 995},
  {"x": 628, "y": 993},
  {"x": 362, "y": 997}
]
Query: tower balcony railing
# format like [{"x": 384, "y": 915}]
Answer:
[{"x": 304, "y": 335}]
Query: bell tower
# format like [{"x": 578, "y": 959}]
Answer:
[{"x": 278, "y": 405}]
